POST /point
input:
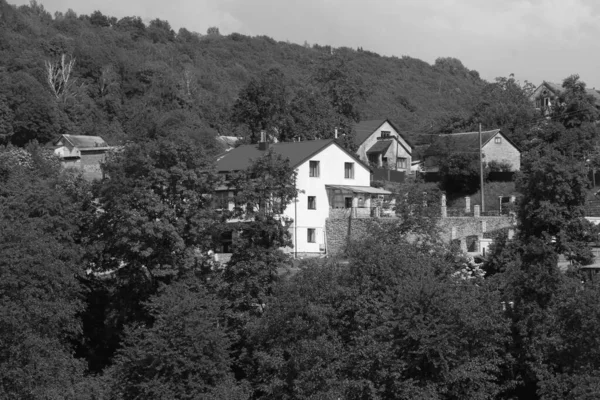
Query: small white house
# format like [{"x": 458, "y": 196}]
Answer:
[
  {"x": 328, "y": 177},
  {"x": 381, "y": 145}
]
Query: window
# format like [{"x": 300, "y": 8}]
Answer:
[
  {"x": 349, "y": 170},
  {"x": 498, "y": 140},
  {"x": 402, "y": 163},
  {"x": 385, "y": 134},
  {"x": 221, "y": 200},
  {"x": 374, "y": 159},
  {"x": 348, "y": 202},
  {"x": 313, "y": 169},
  {"x": 312, "y": 202},
  {"x": 311, "y": 235}
]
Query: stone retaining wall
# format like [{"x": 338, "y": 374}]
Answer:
[{"x": 341, "y": 230}]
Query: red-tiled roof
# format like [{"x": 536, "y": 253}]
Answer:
[
  {"x": 241, "y": 157},
  {"x": 459, "y": 142}
]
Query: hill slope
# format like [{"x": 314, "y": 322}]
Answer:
[{"x": 129, "y": 79}]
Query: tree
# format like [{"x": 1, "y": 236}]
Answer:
[
  {"x": 153, "y": 223},
  {"x": 263, "y": 105},
  {"x": 460, "y": 173},
  {"x": 183, "y": 353},
  {"x": 156, "y": 206},
  {"x": 99, "y": 19},
  {"x": 345, "y": 88},
  {"x": 554, "y": 189},
  {"x": 213, "y": 30},
  {"x": 40, "y": 262},
  {"x": 503, "y": 104},
  {"x": 313, "y": 116},
  {"x": 263, "y": 192},
  {"x": 393, "y": 323},
  {"x": 58, "y": 77},
  {"x": 576, "y": 105},
  {"x": 35, "y": 115}
]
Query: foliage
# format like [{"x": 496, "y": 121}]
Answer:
[
  {"x": 128, "y": 74},
  {"x": 460, "y": 173},
  {"x": 503, "y": 104},
  {"x": 155, "y": 208},
  {"x": 263, "y": 105},
  {"x": 554, "y": 189},
  {"x": 373, "y": 330},
  {"x": 182, "y": 353},
  {"x": 39, "y": 265},
  {"x": 576, "y": 106}
]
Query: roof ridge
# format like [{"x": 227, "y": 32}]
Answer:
[{"x": 468, "y": 133}]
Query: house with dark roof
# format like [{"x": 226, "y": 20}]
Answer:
[
  {"x": 547, "y": 95},
  {"x": 82, "y": 152},
  {"x": 381, "y": 145},
  {"x": 329, "y": 179},
  {"x": 495, "y": 147}
]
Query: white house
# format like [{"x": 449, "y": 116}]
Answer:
[
  {"x": 380, "y": 144},
  {"x": 328, "y": 177}
]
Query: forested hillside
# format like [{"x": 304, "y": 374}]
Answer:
[{"x": 96, "y": 75}]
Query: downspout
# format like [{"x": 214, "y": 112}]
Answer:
[
  {"x": 396, "y": 160},
  {"x": 295, "y": 221}
]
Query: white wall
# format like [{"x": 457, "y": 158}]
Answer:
[
  {"x": 503, "y": 151},
  {"x": 331, "y": 168},
  {"x": 395, "y": 149}
]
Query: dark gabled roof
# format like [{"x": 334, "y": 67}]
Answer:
[
  {"x": 380, "y": 147},
  {"x": 364, "y": 129},
  {"x": 82, "y": 141},
  {"x": 241, "y": 157},
  {"x": 558, "y": 89},
  {"x": 466, "y": 142}
]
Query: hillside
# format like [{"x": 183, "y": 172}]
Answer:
[{"x": 129, "y": 79}]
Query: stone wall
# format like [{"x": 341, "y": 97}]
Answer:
[{"x": 340, "y": 230}]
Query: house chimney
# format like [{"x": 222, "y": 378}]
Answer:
[{"x": 263, "y": 144}]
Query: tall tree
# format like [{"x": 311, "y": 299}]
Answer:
[
  {"x": 576, "y": 106},
  {"x": 263, "y": 105}
]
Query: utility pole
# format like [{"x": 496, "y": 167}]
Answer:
[{"x": 481, "y": 171}]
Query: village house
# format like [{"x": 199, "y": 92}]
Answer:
[
  {"x": 495, "y": 146},
  {"x": 381, "y": 145},
  {"x": 85, "y": 153},
  {"x": 547, "y": 95},
  {"x": 329, "y": 179}
]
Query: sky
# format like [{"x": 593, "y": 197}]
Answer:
[{"x": 535, "y": 40}]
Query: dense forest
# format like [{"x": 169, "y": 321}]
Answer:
[
  {"x": 109, "y": 289},
  {"x": 125, "y": 78}
]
